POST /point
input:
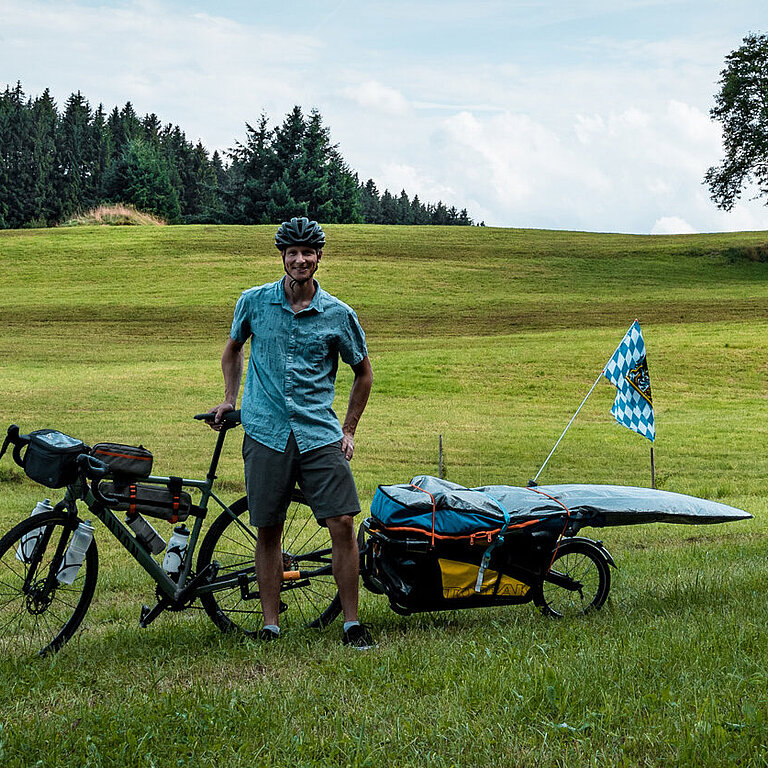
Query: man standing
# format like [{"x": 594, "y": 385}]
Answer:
[{"x": 298, "y": 331}]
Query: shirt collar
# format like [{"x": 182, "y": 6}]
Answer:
[{"x": 279, "y": 297}]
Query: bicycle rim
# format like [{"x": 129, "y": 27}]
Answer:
[
  {"x": 37, "y": 613},
  {"x": 312, "y": 601}
]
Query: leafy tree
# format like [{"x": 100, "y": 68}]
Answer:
[
  {"x": 742, "y": 107},
  {"x": 140, "y": 177}
]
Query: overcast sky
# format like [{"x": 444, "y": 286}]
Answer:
[{"x": 563, "y": 114}]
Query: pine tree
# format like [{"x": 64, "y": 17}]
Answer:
[
  {"x": 46, "y": 206},
  {"x": 250, "y": 175},
  {"x": 76, "y": 188},
  {"x": 404, "y": 213},
  {"x": 370, "y": 204},
  {"x": 18, "y": 191},
  {"x": 281, "y": 205},
  {"x": 388, "y": 208}
]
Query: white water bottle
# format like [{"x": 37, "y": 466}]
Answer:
[
  {"x": 75, "y": 554},
  {"x": 145, "y": 533},
  {"x": 28, "y": 540},
  {"x": 177, "y": 547}
]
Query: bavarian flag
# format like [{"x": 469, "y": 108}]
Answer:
[{"x": 627, "y": 370}]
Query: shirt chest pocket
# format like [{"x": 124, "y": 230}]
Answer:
[{"x": 314, "y": 349}]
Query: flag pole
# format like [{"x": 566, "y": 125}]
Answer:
[
  {"x": 600, "y": 375},
  {"x": 653, "y": 471}
]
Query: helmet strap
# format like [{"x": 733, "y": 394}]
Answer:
[{"x": 292, "y": 281}]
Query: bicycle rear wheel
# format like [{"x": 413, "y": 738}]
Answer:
[
  {"x": 588, "y": 577},
  {"x": 37, "y": 613},
  {"x": 310, "y": 599}
]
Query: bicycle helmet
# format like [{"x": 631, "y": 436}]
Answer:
[{"x": 299, "y": 231}]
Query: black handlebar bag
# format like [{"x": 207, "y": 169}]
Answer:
[{"x": 51, "y": 458}]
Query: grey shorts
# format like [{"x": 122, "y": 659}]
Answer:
[{"x": 323, "y": 475}]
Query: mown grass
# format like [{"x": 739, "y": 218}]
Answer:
[{"x": 490, "y": 338}]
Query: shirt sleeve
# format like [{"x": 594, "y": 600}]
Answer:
[
  {"x": 352, "y": 347},
  {"x": 241, "y": 326}
]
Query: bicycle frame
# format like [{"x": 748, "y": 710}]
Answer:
[{"x": 175, "y": 591}]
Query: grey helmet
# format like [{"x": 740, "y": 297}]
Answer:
[{"x": 299, "y": 231}]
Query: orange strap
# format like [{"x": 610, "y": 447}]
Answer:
[{"x": 567, "y": 519}]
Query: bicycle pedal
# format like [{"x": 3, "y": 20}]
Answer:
[
  {"x": 283, "y": 607},
  {"x": 145, "y": 611}
]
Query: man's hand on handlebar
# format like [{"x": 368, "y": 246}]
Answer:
[{"x": 218, "y": 412}]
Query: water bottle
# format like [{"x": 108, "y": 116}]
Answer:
[
  {"x": 145, "y": 533},
  {"x": 75, "y": 554},
  {"x": 177, "y": 547},
  {"x": 28, "y": 540}
]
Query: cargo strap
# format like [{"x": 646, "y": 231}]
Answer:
[
  {"x": 174, "y": 486},
  {"x": 567, "y": 517},
  {"x": 434, "y": 508},
  {"x": 486, "y": 558}
]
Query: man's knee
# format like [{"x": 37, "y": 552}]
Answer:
[
  {"x": 341, "y": 528},
  {"x": 270, "y": 535}
]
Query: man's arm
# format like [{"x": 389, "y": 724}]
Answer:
[
  {"x": 358, "y": 397},
  {"x": 232, "y": 367}
]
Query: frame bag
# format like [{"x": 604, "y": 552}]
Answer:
[
  {"x": 166, "y": 502},
  {"x": 51, "y": 458}
]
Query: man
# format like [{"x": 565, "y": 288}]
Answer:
[{"x": 297, "y": 332}]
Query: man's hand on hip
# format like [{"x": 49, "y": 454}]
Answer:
[{"x": 348, "y": 445}]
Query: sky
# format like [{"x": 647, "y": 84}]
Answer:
[{"x": 587, "y": 115}]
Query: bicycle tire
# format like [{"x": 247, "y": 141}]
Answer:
[
  {"x": 586, "y": 564},
  {"x": 313, "y": 602},
  {"x": 36, "y": 617}
]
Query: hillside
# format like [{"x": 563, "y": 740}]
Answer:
[{"x": 490, "y": 338}]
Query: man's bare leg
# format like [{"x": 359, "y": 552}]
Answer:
[
  {"x": 269, "y": 571},
  {"x": 346, "y": 563}
]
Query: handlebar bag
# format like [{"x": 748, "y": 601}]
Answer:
[
  {"x": 164, "y": 502},
  {"x": 51, "y": 457},
  {"x": 124, "y": 460}
]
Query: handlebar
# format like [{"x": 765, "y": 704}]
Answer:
[
  {"x": 18, "y": 441},
  {"x": 91, "y": 467},
  {"x": 228, "y": 420}
]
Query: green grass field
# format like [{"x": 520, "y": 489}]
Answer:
[{"x": 490, "y": 338}]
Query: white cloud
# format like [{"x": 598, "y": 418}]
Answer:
[
  {"x": 672, "y": 225},
  {"x": 376, "y": 96},
  {"x": 603, "y": 129}
]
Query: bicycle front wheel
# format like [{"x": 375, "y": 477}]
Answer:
[
  {"x": 38, "y": 614},
  {"x": 308, "y": 595}
]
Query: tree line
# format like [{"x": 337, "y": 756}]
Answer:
[{"x": 54, "y": 165}]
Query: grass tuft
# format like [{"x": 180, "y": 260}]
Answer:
[{"x": 118, "y": 214}]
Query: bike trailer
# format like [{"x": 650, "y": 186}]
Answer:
[{"x": 435, "y": 545}]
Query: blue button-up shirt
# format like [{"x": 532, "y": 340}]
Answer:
[{"x": 290, "y": 384}]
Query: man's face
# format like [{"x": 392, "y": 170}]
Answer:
[{"x": 301, "y": 262}]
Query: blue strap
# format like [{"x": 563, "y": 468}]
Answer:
[{"x": 499, "y": 540}]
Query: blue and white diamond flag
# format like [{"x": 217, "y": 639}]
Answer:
[{"x": 627, "y": 370}]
